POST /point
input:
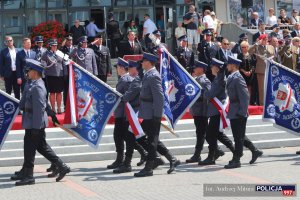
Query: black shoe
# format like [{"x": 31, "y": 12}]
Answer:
[
  {"x": 298, "y": 152},
  {"x": 233, "y": 164},
  {"x": 51, "y": 168},
  {"x": 207, "y": 161},
  {"x": 173, "y": 164},
  {"x": 19, "y": 175},
  {"x": 122, "y": 169},
  {"x": 62, "y": 170},
  {"x": 18, "y": 172},
  {"x": 158, "y": 161},
  {"x": 27, "y": 179},
  {"x": 147, "y": 171},
  {"x": 255, "y": 155},
  {"x": 125, "y": 167},
  {"x": 142, "y": 160},
  {"x": 193, "y": 159},
  {"x": 117, "y": 163},
  {"x": 219, "y": 153},
  {"x": 54, "y": 173}
]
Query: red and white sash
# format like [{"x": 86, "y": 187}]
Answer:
[
  {"x": 223, "y": 110},
  {"x": 134, "y": 121}
]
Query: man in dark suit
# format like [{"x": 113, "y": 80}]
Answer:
[
  {"x": 255, "y": 21},
  {"x": 223, "y": 53},
  {"x": 296, "y": 31},
  {"x": 103, "y": 58},
  {"x": 238, "y": 113},
  {"x": 21, "y": 61},
  {"x": 130, "y": 47},
  {"x": 262, "y": 30},
  {"x": 8, "y": 71}
]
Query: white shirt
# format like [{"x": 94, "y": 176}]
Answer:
[
  {"x": 12, "y": 52},
  {"x": 209, "y": 21},
  {"x": 150, "y": 26},
  {"x": 271, "y": 20},
  {"x": 233, "y": 73}
]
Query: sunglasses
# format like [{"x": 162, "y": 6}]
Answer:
[
  {"x": 226, "y": 43},
  {"x": 244, "y": 47},
  {"x": 8, "y": 40}
]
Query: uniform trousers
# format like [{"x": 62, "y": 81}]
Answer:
[
  {"x": 213, "y": 134},
  {"x": 238, "y": 127},
  {"x": 102, "y": 77},
  {"x": 11, "y": 84},
  {"x": 122, "y": 134},
  {"x": 261, "y": 81},
  {"x": 35, "y": 140},
  {"x": 201, "y": 125},
  {"x": 66, "y": 89},
  {"x": 151, "y": 128}
]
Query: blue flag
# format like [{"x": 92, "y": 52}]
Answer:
[
  {"x": 179, "y": 87},
  {"x": 94, "y": 103},
  {"x": 9, "y": 108},
  {"x": 282, "y": 97}
]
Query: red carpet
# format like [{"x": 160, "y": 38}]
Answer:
[{"x": 253, "y": 110}]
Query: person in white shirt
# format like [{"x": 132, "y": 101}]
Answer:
[
  {"x": 295, "y": 18},
  {"x": 179, "y": 31},
  {"x": 148, "y": 27},
  {"x": 271, "y": 19},
  {"x": 8, "y": 67},
  {"x": 208, "y": 20}
]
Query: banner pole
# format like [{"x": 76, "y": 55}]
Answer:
[
  {"x": 65, "y": 129},
  {"x": 169, "y": 129}
]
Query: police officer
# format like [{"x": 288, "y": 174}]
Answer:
[
  {"x": 217, "y": 90},
  {"x": 151, "y": 110},
  {"x": 103, "y": 58},
  {"x": 67, "y": 48},
  {"x": 153, "y": 49},
  {"x": 199, "y": 110},
  {"x": 121, "y": 132},
  {"x": 38, "y": 48},
  {"x": 84, "y": 56},
  {"x": 206, "y": 50},
  {"x": 238, "y": 112},
  {"x": 54, "y": 74},
  {"x": 34, "y": 103},
  {"x": 132, "y": 96},
  {"x": 185, "y": 56},
  {"x": 237, "y": 47}
]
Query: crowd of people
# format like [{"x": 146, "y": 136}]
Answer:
[{"x": 221, "y": 67}]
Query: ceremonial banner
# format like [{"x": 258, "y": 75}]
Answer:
[
  {"x": 9, "y": 109},
  {"x": 95, "y": 102},
  {"x": 282, "y": 97},
  {"x": 179, "y": 87}
]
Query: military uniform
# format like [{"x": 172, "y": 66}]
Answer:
[
  {"x": 85, "y": 57},
  {"x": 185, "y": 56},
  {"x": 103, "y": 61},
  {"x": 39, "y": 51},
  {"x": 199, "y": 113},
  {"x": 151, "y": 110},
  {"x": 238, "y": 112},
  {"x": 206, "y": 50},
  {"x": 213, "y": 134},
  {"x": 121, "y": 132},
  {"x": 34, "y": 121}
]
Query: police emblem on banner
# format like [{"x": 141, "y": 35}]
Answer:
[
  {"x": 282, "y": 97},
  {"x": 180, "y": 89}
]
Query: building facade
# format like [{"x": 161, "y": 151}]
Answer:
[{"x": 17, "y": 17}]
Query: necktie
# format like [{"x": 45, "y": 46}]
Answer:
[
  {"x": 131, "y": 44},
  {"x": 27, "y": 54}
]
